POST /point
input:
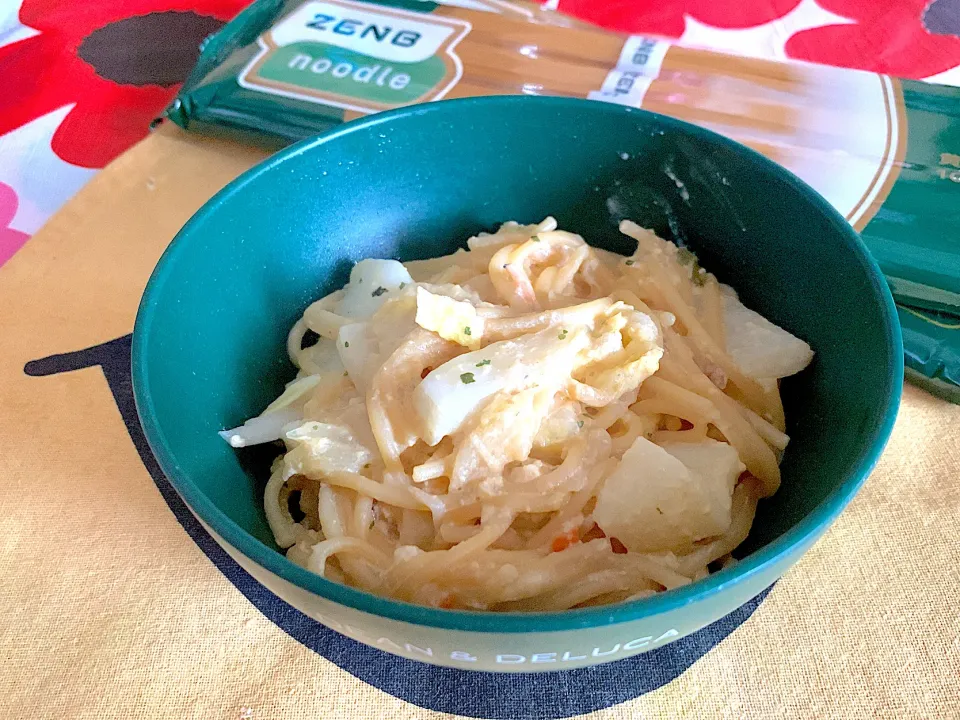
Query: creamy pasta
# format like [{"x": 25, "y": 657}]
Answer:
[{"x": 528, "y": 424}]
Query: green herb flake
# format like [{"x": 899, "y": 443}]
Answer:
[
  {"x": 580, "y": 424},
  {"x": 698, "y": 275},
  {"x": 346, "y": 344},
  {"x": 483, "y": 362},
  {"x": 535, "y": 238},
  {"x": 685, "y": 256},
  {"x": 562, "y": 335},
  {"x": 378, "y": 292},
  {"x": 402, "y": 286},
  {"x": 467, "y": 330},
  {"x": 629, "y": 262},
  {"x": 467, "y": 378},
  {"x": 345, "y": 373}
]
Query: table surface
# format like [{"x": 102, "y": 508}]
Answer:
[{"x": 120, "y": 605}]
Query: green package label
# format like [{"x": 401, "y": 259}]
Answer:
[
  {"x": 931, "y": 341},
  {"x": 328, "y": 70},
  {"x": 357, "y": 56},
  {"x": 914, "y": 233}
]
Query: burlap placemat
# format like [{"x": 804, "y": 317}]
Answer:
[{"x": 116, "y": 604}]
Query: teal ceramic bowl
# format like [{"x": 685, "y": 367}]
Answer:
[{"x": 208, "y": 348}]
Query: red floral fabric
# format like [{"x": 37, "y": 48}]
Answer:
[
  {"x": 10, "y": 240},
  {"x": 667, "y": 18},
  {"x": 108, "y": 116},
  {"x": 887, "y": 37}
]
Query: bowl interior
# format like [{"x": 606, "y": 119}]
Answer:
[{"x": 415, "y": 183}]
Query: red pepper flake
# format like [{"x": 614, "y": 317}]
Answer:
[
  {"x": 562, "y": 542},
  {"x": 618, "y": 547},
  {"x": 446, "y": 602},
  {"x": 685, "y": 424},
  {"x": 593, "y": 533},
  {"x": 426, "y": 371},
  {"x": 747, "y": 476}
]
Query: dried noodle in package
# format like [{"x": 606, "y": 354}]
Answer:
[{"x": 884, "y": 152}]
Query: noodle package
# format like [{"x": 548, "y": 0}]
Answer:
[{"x": 884, "y": 152}]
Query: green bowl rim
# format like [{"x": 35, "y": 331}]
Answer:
[{"x": 800, "y": 535}]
